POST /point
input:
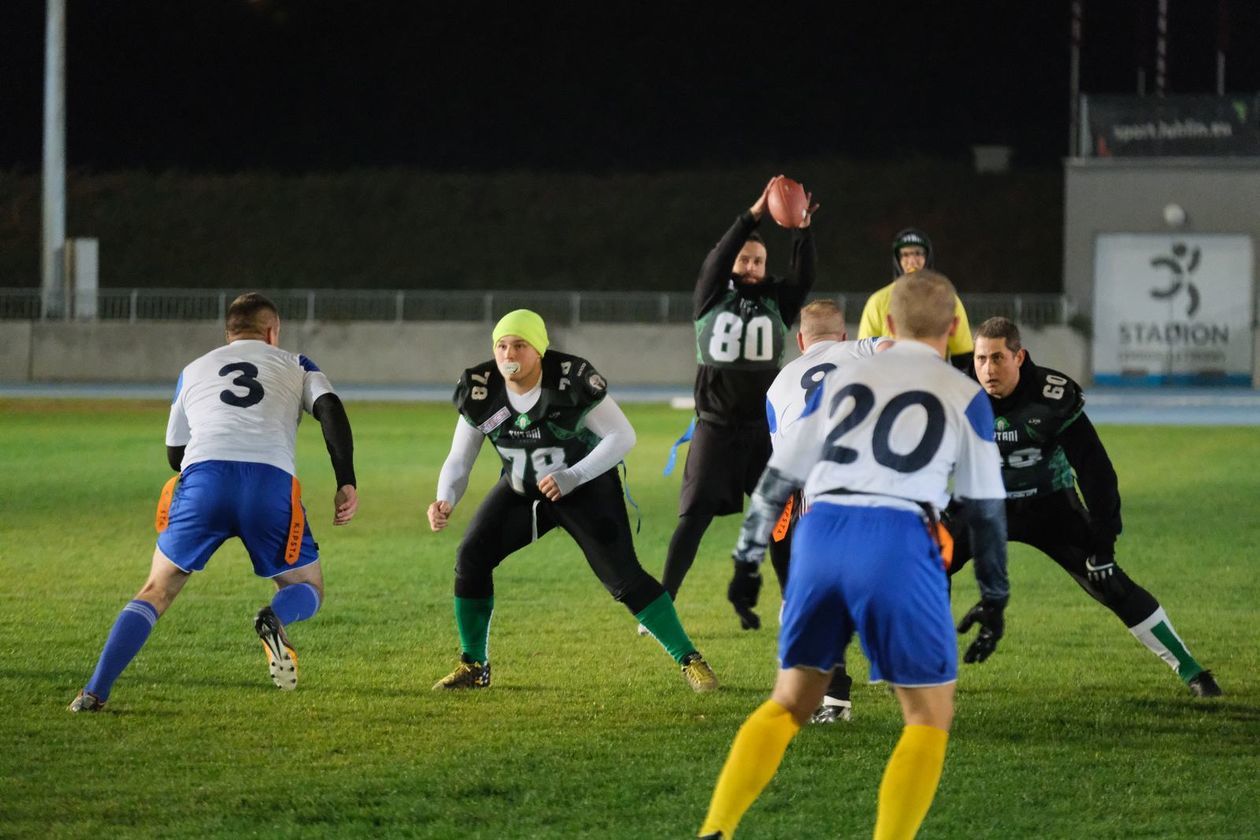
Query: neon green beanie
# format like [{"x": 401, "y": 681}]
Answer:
[{"x": 525, "y": 323}]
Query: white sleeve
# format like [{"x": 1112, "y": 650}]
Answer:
[
  {"x": 453, "y": 480},
  {"x": 178, "y": 432},
  {"x": 616, "y": 438},
  {"x": 314, "y": 383},
  {"x": 799, "y": 445},
  {"x": 871, "y": 346},
  {"x": 978, "y": 471}
]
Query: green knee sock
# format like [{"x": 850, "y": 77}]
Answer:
[
  {"x": 661, "y": 620},
  {"x": 472, "y": 617}
]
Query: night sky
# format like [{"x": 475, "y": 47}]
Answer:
[{"x": 305, "y": 85}]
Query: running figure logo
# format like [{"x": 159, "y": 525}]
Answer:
[{"x": 1181, "y": 270}]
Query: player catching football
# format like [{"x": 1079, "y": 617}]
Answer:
[
  {"x": 560, "y": 436},
  {"x": 231, "y": 434},
  {"x": 1044, "y": 436},
  {"x": 742, "y": 316}
]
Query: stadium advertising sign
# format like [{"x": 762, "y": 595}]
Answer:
[
  {"x": 1172, "y": 309},
  {"x": 1207, "y": 126}
]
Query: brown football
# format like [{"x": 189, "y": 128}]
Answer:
[{"x": 788, "y": 203}]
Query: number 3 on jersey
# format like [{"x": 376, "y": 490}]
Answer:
[
  {"x": 733, "y": 340},
  {"x": 248, "y": 380}
]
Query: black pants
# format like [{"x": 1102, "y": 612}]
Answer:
[
  {"x": 593, "y": 514},
  {"x": 724, "y": 464},
  {"x": 1058, "y": 526}
]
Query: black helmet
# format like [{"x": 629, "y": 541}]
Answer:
[{"x": 907, "y": 237}]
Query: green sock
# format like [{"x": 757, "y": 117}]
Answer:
[
  {"x": 472, "y": 617},
  {"x": 661, "y": 620}
]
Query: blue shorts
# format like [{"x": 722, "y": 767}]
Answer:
[
  {"x": 877, "y": 572},
  {"x": 216, "y": 500}
]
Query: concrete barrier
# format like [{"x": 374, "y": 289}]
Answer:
[
  {"x": 374, "y": 353},
  {"x": 15, "y": 351}
]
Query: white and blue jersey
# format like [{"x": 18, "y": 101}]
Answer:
[
  {"x": 792, "y": 388},
  {"x": 877, "y": 440},
  {"x": 243, "y": 402},
  {"x": 236, "y": 412}
]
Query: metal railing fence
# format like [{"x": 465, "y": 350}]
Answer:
[{"x": 560, "y": 308}]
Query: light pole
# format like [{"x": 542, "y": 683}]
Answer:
[{"x": 53, "y": 296}]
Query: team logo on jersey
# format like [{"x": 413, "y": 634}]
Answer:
[
  {"x": 522, "y": 421},
  {"x": 597, "y": 382},
  {"x": 1001, "y": 424}
]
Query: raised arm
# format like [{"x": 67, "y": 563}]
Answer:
[
  {"x": 715, "y": 272},
  {"x": 804, "y": 270}
]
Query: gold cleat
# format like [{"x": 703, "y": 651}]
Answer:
[
  {"x": 698, "y": 674},
  {"x": 467, "y": 674}
]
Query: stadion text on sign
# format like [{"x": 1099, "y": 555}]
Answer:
[{"x": 1173, "y": 309}]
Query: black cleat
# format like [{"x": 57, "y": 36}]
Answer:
[
  {"x": 281, "y": 657},
  {"x": 717, "y": 835},
  {"x": 1203, "y": 684},
  {"x": 89, "y": 702}
]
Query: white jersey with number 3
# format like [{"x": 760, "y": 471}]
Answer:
[
  {"x": 243, "y": 402},
  {"x": 785, "y": 400},
  {"x": 890, "y": 431}
]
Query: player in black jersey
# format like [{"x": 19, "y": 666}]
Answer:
[
  {"x": 1044, "y": 436},
  {"x": 741, "y": 317},
  {"x": 560, "y": 436}
]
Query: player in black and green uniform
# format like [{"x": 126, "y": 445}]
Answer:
[
  {"x": 1048, "y": 446},
  {"x": 742, "y": 317},
  {"x": 560, "y": 437}
]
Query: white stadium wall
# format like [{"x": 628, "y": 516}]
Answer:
[{"x": 372, "y": 353}]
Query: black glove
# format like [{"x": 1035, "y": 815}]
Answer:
[
  {"x": 989, "y": 616},
  {"x": 742, "y": 592},
  {"x": 1102, "y": 563}
]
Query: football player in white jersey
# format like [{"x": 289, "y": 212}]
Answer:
[
  {"x": 876, "y": 448},
  {"x": 231, "y": 436},
  {"x": 822, "y": 339}
]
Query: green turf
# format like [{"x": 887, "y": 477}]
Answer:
[{"x": 1071, "y": 730}]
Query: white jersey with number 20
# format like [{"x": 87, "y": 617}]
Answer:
[
  {"x": 890, "y": 431},
  {"x": 243, "y": 402}
]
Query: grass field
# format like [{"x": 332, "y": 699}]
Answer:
[{"x": 1071, "y": 730}]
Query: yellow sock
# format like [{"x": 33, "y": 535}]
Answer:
[
  {"x": 910, "y": 780},
  {"x": 754, "y": 759}
]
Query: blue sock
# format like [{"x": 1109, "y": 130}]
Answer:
[
  {"x": 297, "y": 602},
  {"x": 131, "y": 631}
]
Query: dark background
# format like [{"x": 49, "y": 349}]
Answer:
[
  {"x": 301, "y": 85},
  {"x": 371, "y": 144}
]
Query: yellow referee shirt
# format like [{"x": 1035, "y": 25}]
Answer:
[{"x": 872, "y": 322}]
